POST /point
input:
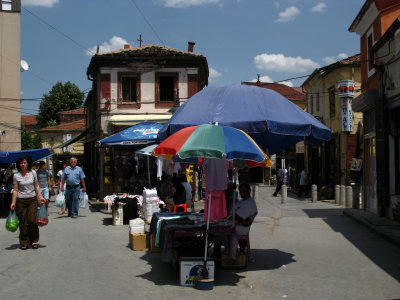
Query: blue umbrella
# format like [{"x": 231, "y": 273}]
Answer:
[
  {"x": 139, "y": 134},
  {"x": 270, "y": 119}
]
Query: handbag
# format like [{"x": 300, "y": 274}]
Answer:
[
  {"x": 42, "y": 216},
  {"x": 12, "y": 221}
]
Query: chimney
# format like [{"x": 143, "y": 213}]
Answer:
[
  {"x": 127, "y": 46},
  {"x": 98, "y": 49},
  {"x": 190, "y": 46}
]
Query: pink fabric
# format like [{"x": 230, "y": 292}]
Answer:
[{"x": 218, "y": 206}]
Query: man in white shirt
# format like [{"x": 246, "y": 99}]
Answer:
[{"x": 245, "y": 212}]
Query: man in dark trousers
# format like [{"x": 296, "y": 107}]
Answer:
[{"x": 280, "y": 177}]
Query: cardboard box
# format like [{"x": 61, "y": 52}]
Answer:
[
  {"x": 191, "y": 269},
  {"x": 138, "y": 242},
  {"x": 152, "y": 243},
  {"x": 118, "y": 216}
]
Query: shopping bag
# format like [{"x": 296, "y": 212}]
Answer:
[
  {"x": 12, "y": 221},
  {"x": 51, "y": 192},
  {"x": 42, "y": 216},
  {"x": 60, "y": 200},
  {"x": 83, "y": 200}
]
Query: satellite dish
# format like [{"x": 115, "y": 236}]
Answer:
[{"x": 24, "y": 66}]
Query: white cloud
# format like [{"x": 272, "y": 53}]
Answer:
[
  {"x": 213, "y": 74},
  {"x": 288, "y": 83},
  {"x": 332, "y": 59},
  {"x": 281, "y": 63},
  {"x": 115, "y": 43},
  {"x": 289, "y": 14},
  {"x": 264, "y": 78},
  {"x": 46, "y": 3},
  {"x": 320, "y": 7},
  {"x": 186, "y": 3}
]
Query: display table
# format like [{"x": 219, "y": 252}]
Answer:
[{"x": 184, "y": 231}]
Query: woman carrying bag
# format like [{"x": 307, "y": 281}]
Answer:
[{"x": 26, "y": 198}]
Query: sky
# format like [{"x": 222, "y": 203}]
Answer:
[{"x": 279, "y": 40}]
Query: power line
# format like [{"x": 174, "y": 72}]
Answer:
[
  {"x": 59, "y": 31},
  {"x": 148, "y": 23}
]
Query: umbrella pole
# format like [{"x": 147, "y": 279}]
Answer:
[
  {"x": 148, "y": 170},
  {"x": 204, "y": 273},
  {"x": 234, "y": 197}
]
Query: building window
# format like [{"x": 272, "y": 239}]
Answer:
[
  {"x": 6, "y": 5},
  {"x": 331, "y": 92},
  {"x": 166, "y": 89},
  {"x": 128, "y": 90},
  {"x": 370, "y": 43},
  {"x": 317, "y": 108},
  {"x": 311, "y": 105}
]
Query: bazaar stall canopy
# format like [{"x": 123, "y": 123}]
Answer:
[
  {"x": 12, "y": 156},
  {"x": 270, "y": 119},
  {"x": 139, "y": 134}
]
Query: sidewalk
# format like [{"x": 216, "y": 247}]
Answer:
[{"x": 388, "y": 229}]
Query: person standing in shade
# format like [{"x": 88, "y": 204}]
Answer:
[
  {"x": 64, "y": 209},
  {"x": 280, "y": 176},
  {"x": 26, "y": 198},
  {"x": 304, "y": 182},
  {"x": 73, "y": 177},
  {"x": 45, "y": 182}
]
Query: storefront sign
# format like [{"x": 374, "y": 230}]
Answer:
[
  {"x": 346, "y": 88},
  {"x": 347, "y": 115},
  {"x": 300, "y": 147},
  {"x": 107, "y": 166}
]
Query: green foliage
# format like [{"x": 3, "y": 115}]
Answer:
[
  {"x": 62, "y": 97},
  {"x": 28, "y": 141}
]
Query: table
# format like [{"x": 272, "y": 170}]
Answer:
[{"x": 174, "y": 230}]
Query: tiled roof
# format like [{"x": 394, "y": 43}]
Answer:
[
  {"x": 149, "y": 50},
  {"x": 73, "y": 126},
  {"x": 288, "y": 92},
  {"x": 78, "y": 111},
  {"x": 29, "y": 120}
]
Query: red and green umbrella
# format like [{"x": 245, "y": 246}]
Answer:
[{"x": 214, "y": 141}]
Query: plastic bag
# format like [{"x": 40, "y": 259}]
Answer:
[
  {"x": 83, "y": 200},
  {"x": 60, "y": 200},
  {"x": 12, "y": 221},
  {"x": 42, "y": 216}
]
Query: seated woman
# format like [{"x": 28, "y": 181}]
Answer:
[
  {"x": 245, "y": 212},
  {"x": 177, "y": 196}
]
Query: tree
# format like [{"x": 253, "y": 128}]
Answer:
[
  {"x": 62, "y": 97},
  {"x": 29, "y": 141}
]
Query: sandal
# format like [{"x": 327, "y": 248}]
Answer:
[
  {"x": 61, "y": 212},
  {"x": 35, "y": 246},
  {"x": 24, "y": 247}
]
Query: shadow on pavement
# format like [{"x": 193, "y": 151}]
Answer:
[
  {"x": 107, "y": 221},
  {"x": 264, "y": 259},
  {"x": 18, "y": 247},
  {"x": 369, "y": 243}
]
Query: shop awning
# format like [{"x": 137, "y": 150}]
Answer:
[
  {"x": 72, "y": 140},
  {"x": 36, "y": 154},
  {"x": 130, "y": 120}
]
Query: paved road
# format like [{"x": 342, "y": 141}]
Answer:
[{"x": 301, "y": 250}]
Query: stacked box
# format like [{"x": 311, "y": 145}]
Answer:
[
  {"x": 150, "y": 203},
  {"x": 118, "y": 216},
  {"x": 138, "y": 242},
  {"x": 136, "y": 226}
]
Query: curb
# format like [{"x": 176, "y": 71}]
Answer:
[
  {"x": 97, "y": 205},
  {"x": 389, "y": 232}
]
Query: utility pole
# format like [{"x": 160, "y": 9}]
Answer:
[{"x": 140, "y": 40}]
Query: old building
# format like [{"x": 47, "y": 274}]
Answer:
[
  {"x": 324, "y": 103},
  {"x": 371, "y": 23},
  {"x": 132, "y": 85},
  {"x": 10, "y": 92}
]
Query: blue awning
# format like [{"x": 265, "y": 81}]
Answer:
[{"x": 36, "y": 154}]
